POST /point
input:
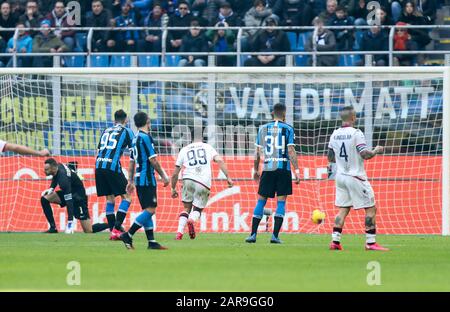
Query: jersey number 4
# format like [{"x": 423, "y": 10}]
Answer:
[
  {"x": 343, "y": 152},
  {"x": 108, "y": 140},
  {"x": 197, "y": 157}
]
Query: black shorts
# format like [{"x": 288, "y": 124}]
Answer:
[
  {"x": 109, "y": 182},
  {"x": 277, "y": 182},
  {"x": 147, "y": 196},
  {"x": 80, "y": 205}
]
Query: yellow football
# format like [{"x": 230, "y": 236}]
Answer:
[{"x": 318, "y": 216}]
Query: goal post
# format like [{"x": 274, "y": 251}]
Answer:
[{"x": 405, "y": 109}]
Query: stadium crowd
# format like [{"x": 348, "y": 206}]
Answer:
[{"x": 221, "y": 14}]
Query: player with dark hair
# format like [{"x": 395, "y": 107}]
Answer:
[
  {"x": 21, "y": 149},
  {"x": 143, "y": 153},
  {"x": 109, "y": 178},
  {"x": 276, "y": 140},
  {"x": 347, "y": 151},
  {"x": 71, "y": 194}
]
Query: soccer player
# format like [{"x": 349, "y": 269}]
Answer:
[
  {"x": 196, "y": 159},
  {"x": 276, "y": 140},
  {"x": 144, "y": 159},
  {"x": 347, "y": 151},
  {"x": 20, "y": 149},
  {"x": 71, "y": 194},
  {"x": 109, "y": 178}
]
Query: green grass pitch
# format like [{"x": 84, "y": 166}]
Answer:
[{"x": 222, "y": 262}]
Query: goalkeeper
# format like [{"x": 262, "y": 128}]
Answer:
[{"x": 71, "y": 194}]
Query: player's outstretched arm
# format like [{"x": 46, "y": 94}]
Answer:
[
  {"x": 294, "y": 161},
  {"x": 174, "y": 181},
  {"x": 155, "y": 163},
  {"x": 219, "y": 160},
  {"x": 368, "y": 154},
  {"x": 24, "y": 150}
]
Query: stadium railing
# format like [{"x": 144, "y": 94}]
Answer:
[{"x": 293, "y": 58}]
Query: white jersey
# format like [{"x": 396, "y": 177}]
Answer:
[
  {"x": 196, "y": 159},
  {"x": 2, "y": 146},
  {"x": 347, "y": 143}
]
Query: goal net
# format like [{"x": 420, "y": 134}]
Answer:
[{"x": 400, "y": 109}]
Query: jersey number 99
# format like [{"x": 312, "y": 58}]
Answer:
[{"x": 197, "y": 157}]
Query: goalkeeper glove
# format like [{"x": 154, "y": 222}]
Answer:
[
  {"x": 48, "y": 191},
  {"x": 331, "y": 171}
]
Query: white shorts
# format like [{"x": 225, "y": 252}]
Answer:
[
  {"x": 195, "y": 193},
  {"x": 353, "y": 191}
]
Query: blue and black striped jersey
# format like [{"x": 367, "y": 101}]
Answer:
[
  {"x": 113, "y": 142},
  {"x": 274, "y": 138},
  {"x": 142, "y": 150}
]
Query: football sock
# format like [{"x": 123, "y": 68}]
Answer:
[
  {"x": 148, "y": 227},
  {"x": 277, "y": 226},
  {"x": 195, "y": 215},
  {"x": 141, "y": 220},
  {"x": 48, "y": 212},
  {"x": 98, "y": 227},
  {"x": 182, "y": 221},
  {"x": 336, "y": 236},
  {"x": 258, "y": 214},
  {"x": 370, "y": 236},
  {"x": 121, "y": 213},
  {"x": 110, "y": 216}
]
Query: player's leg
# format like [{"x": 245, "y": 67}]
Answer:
[
  {"x": 110, "y": 213},
  {"x": 183, "y": 219},
  {"x": 344, "y": 202},
  {"x": 283, "y": 182},
  {"x": 119, "y": 188},
  {"x": 371, "y": 230},
  {"x": 81, "y": 212},
  {"x": 266, "y": 189},
  {"x": 187, "y": 197},
  {"x": 48, "y": 212},
  {"x": 201, "y": 196},
  {"x": 278, "y": 219},
  {"x": 339, "y": 221}
]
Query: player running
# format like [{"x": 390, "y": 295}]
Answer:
[
  {"x": 109, "y": 178},
  {"x": 20, "y": 149},
  {"x": 71, "y": 194},
  {"x": 276, "y": 140},
  {"x": 196, "y": 159},
  {"x": 347, "y": 151},
  {"x": 144, "y": 159}
]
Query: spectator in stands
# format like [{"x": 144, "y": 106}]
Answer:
[
  {"x": 32, "y": 17},
  {"x": 256, "y": 16},
  {"x": 226, "y": 15},
  {"x": 241, "y": 7},
  {"x": 402, "y": 42},
  {"x": 24, "y": 44},
  {"x": 222, "y": 40},
  {"x": 267, "y": 41},
  {"x": 344, "y": 37},
  {"x": 293, "y": 12},
  {"x": 324, "y": 41},
  {"x": 383, "y": 17},
  {"x": 411, "y": 16},
  {"x": 124, "y": 41},
  {"x": 7, "y": 20},
  {"x": 152, "y": 38},
  {"x": 330, "y": 12},
  {"x": 194, "y": 41},
  {"x": 46, "y": 42},
  {"x": 428, "y": 8},
  {"x": 376, "y": 39},
  {"x": 181, "y": 18},
  {"x": 99, "y": 17},
  {"x": 58, "y": 19}
]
